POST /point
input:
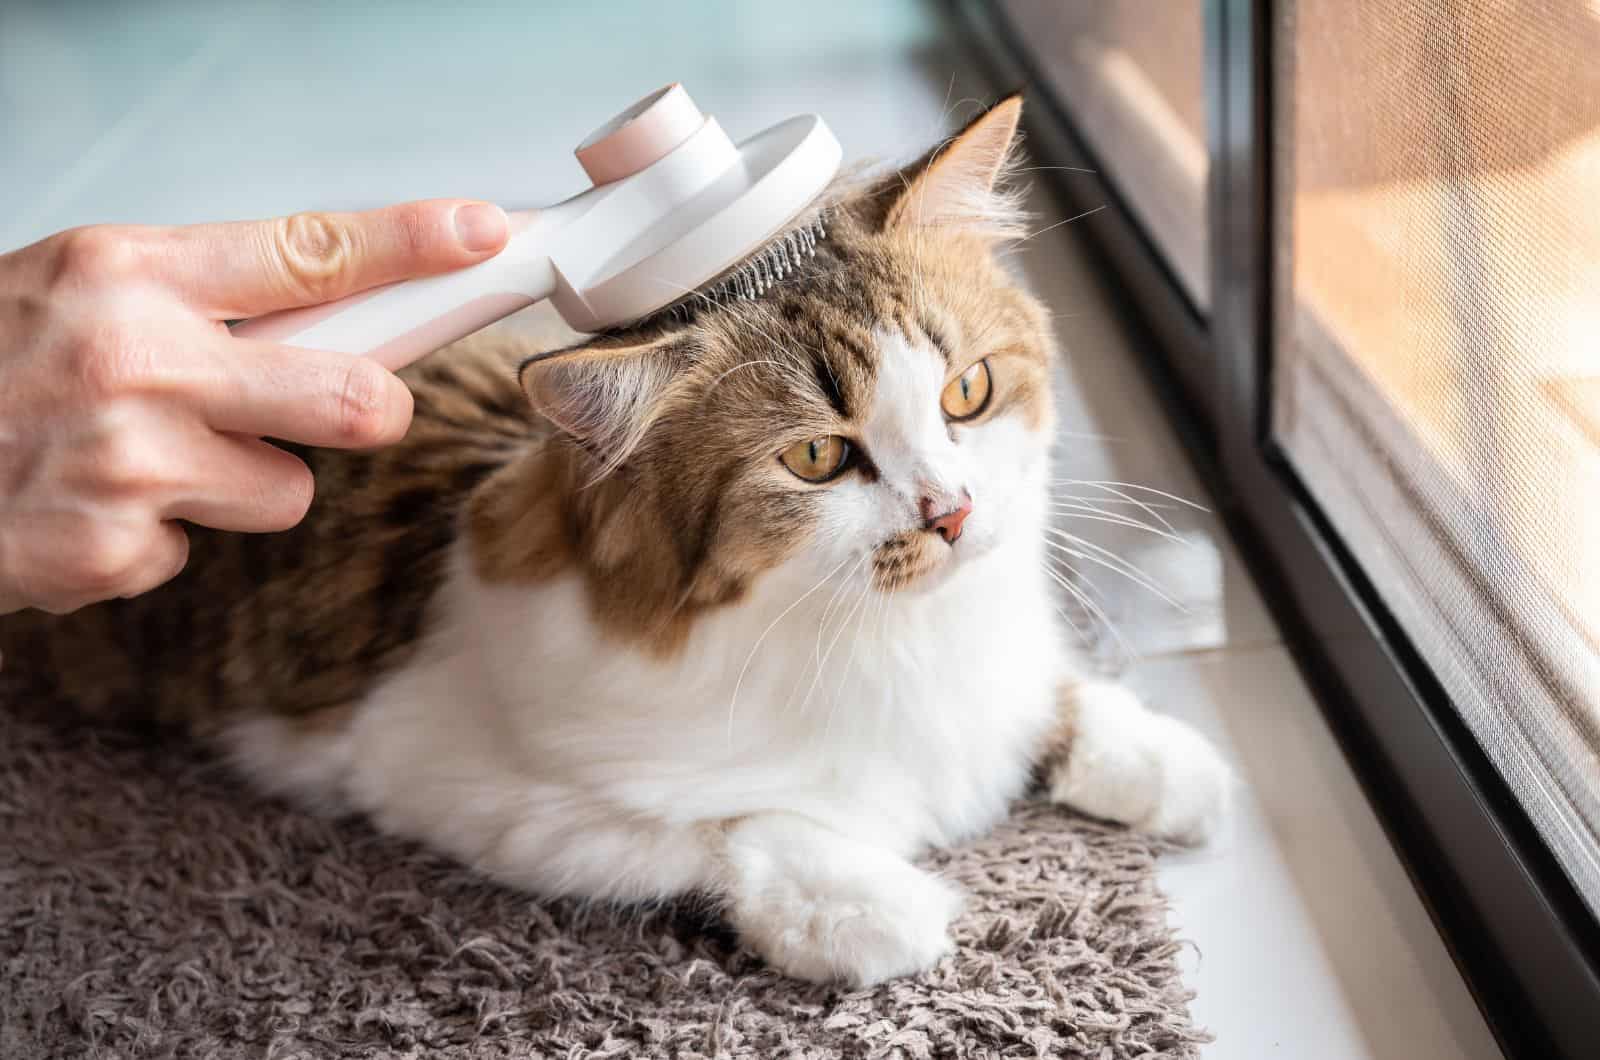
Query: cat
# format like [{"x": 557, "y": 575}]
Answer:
[{"x": 749, "y": 601}]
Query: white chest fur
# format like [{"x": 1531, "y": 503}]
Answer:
[{"x": 901, "y": 720}]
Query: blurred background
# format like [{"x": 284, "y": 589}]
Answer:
[{"x": 188, "y": 111}]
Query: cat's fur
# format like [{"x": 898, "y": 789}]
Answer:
[{"x": 615, "y": 649}]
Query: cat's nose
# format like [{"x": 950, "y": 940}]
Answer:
[{"x": 946, "y": 524}]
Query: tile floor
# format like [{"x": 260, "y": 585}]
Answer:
[{"x": 1309, "y": 941}]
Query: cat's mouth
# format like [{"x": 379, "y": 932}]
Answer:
[{"x": 908, "y": 559}]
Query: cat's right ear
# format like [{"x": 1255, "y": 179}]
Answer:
[
  {"x": 961, "y": 183},
  {"x": 607, "y": 392}
]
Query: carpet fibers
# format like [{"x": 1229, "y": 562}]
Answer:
[{"x": 150, "y": 907}]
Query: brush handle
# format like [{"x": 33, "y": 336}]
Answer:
[{"x": 401, "y": 322}]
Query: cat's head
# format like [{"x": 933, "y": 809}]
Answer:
[{"x": 883, "y": 411}]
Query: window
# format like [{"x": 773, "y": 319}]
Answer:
[{"x": 1436, "y": 380}]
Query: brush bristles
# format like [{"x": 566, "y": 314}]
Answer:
[
  {"x": 768, "y": 265},
  {"x": 759, "y": 272}
]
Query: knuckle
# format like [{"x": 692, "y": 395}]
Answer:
[
  {"x": 127, "y": 466},
  {"x": 362, "y": 416},
  {"x": 317, "y": 253},
  {"x": 108, "y": 559},
  {"x": 98, "y": 253}
]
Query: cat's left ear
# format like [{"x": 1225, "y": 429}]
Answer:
[
  {"x": 607, "y": 392},
  {"x": 960, "y": 183}
]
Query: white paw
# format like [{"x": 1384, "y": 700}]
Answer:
[
  {"x": 1131, "y": 765},
  {"x": 853, "y": 914}
]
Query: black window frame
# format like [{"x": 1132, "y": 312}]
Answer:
[{"x": 1523, "y": 939}]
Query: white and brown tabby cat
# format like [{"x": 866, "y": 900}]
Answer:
[{"x": 751, "y": 602}]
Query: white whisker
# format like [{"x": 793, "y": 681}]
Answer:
[
  {"x": 1058, "y": 224},
  {"x": 833, "y": 705},
  {"x": 1093, "y": 607},
  {"x": 1099, "y": 499},
  {"x": 1110, "y": 488},
  {"x": 1084, "y": 512},
  {"x": 1116, "y": 564},
  {"x": 838, "y": 594},
  {"x": 744, "y": 364},
  {"x": 733, "y": 702},
  {"x": 1104, "y": 483},
  {"x": 816, "y": 678}
]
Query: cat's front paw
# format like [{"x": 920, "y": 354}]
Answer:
[
  {"x": 1131, "y": 765},
  {"x": 847, "y": 913}
]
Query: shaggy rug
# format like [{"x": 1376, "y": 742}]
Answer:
[{"x": 150, "y": 907}]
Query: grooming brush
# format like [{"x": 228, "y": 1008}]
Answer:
[{"x": 675, "y": 204}]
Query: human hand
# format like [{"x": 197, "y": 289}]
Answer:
[{"x": 126, "y": 405}]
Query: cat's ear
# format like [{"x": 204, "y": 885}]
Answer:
[
  {"x": 960, "y": 183},
  {"x": 606, "y": 393}
]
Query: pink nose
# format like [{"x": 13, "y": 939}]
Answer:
[{"x": 948, "y": 524}]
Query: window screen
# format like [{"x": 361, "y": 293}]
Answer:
[
  {"x": 1133, "y": 76},
  {"x": 1436, "y": 377}
]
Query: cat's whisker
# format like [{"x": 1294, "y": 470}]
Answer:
[
  {"x": 1074, "y": 511},
  {"x": 855, "y": 646},
  {"x": 1111, "y": 563},
  {"x": 1058, "y": 224},
  {"x": 1083, "y": 634},
  {"x": 1112, "y": 500},
  {"x": 1125, "y": 566},
  {"x": 827, "y": 612},
  {"x": 738, "y": 684},
  {"x": 1095, "y": 609},
  {"x": 1105, "y": 484},
  {"x": 743, "y": 364},
  {"x": 833, "y": 705},
  {"x": 816, "y": 678},
  {"x": 1133, "y": 500},
  {"x": 1067, "y": 169},
  {"x": 1138, "y": 502},
  {"x": 822, "y": 623}
]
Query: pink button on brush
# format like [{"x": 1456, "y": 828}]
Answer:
[
  {"x": 640, "y": 136},
  {"x": 675, "y": 204}
]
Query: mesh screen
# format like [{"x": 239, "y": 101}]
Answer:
[
  {"x": 1436, "y": 381},
  {"x": 1135, "y": 86}
]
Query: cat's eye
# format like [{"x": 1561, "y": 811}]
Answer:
[
  {"x": 816, "y": 459},
  {"x": 967, "y": 394}
]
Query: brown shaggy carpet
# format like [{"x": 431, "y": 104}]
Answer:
[{"x": 149, "y": 907}]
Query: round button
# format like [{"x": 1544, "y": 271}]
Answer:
[{"x": 640, "y": 135}]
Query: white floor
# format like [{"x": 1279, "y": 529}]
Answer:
[{"x": 1309, "y": 941}]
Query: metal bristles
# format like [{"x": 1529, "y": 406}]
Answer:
[
  {"x": 770, "y": 264},
  {"x": 759, "y": 272}
]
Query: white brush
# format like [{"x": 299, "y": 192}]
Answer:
[{"x": 675, "y": 204}]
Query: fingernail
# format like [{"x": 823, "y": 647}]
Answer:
[{"x": 480, "y": 226}]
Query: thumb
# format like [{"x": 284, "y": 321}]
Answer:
[{"x": 230, "y": 271}]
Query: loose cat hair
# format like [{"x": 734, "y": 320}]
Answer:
[{"x": 748, "y": 601}]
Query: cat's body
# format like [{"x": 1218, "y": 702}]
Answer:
[{"x": 619, "y": 649}]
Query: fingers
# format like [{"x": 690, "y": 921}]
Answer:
[
  {"x": 233, "y": 271},
  {"x": 243, "y": 485},
  {"x": 166, "y": 554},
  {"x": 313, "y": 397},
  {"x": 73, "y": 556},
  {"x": 59, "y": 563}
]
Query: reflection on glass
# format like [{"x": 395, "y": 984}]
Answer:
[{"x": 1131, "y": 75}]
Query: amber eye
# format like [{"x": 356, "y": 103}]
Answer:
[
  {"x": 967, "y": 394},
  {"x": 818, "y": 459}
]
